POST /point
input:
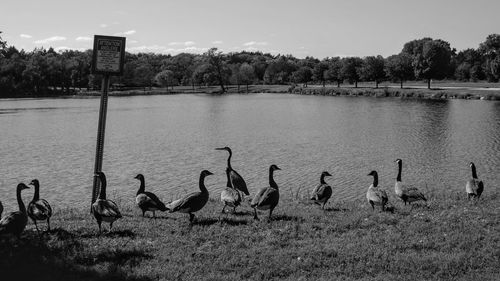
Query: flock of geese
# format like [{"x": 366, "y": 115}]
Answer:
[{"x": 105, "y": 210}]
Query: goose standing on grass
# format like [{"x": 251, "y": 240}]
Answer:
[
  {"x": 323, "y": 191},
  {"x": 230, "y": 196},
  {"x": 104, "y": 209},
  {"x": 147, "y": 201},
  {"x": 192, "y": 202},
  {"x": 39, "y": 209},
  {"x": 15, "y": 222},
  {"x": 268, "y": 197},
  {"x": 375, "y": 195},
  {"x": 236, "y": 180},
  {"x": 474, "y": 186},
  {"x": 406, "y": 193}
]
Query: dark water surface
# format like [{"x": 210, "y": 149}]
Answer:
[{"x": 170, "y": 139}]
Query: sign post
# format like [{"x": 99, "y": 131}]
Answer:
[{"x": 107, "y": 59}]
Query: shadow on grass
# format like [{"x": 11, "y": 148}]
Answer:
[
  {"x": 286, "y": 218},
  {"x": 33, "y": 259},
  {"x": 112, "y": 234},
  {"x": 119, "y": 257},
  {"x": 233, "y": 222},
  {"x": 333, "y": 209}
]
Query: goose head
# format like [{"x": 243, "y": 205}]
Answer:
[
  {"x": 274, "y": 168},
  {"x": 373, "y": 173},
  {"x": 139, "y": 177},
  {"x": 205, "y": 173},
  {"x": 325, "y": 174},
  {"x": 226, "y": 148},
  {"x": 398, "y": 161},
  {"x": 22, "y": 186},
  {"x": 35, "y": 183}
]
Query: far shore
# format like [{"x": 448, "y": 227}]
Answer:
[{"x": 416, "y": 90}]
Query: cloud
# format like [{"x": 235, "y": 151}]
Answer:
[
  {"x": 103, "y": 25},
  {"x": 50, "y": 39},
  {"x": 187, "y": 43},
  {"x": 254, "y": 43},
  {"x": 25, "y": 36},
  {"x": 128, "y": 32},
  {"x": 132, "y": 41},
  {"x": 217, "y": 42},
  {"x": 166, "y": 50},
  {"x": 83, "y": 38}
]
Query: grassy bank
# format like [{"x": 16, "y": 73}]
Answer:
[{"x": 447, "y": 239}]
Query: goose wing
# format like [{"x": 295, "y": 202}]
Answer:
[
  {"x": 39, "y": 210},
  {"x": 149, "y": 200},
  {"x": 376, "y": 195},
  {"x": 269, "y": 198},
  {"x": 470, "y": 186},
  {"x": 107, "y": 208},
  {"x": 13, "y": 223},
  {"x": 238, "y": 182},
  {"x": 414, "y": 194},
  {"x": 324, "y": 191},
  {"x": 182, "y": 203},
  {"x": 480, "y": 188},
  {"x": 257, "y": 197},
  {"x": 230, "y": 196}
]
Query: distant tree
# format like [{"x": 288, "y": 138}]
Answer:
[
  {"x": 247, "y": 74},
  {"x": 351, "y": 69},
  {"x": 235, "y": 78},
  {"x": 319, "y": 72},
  {"x": 431, "y": 58},
  {"x": 334, "y": 72},
  {"x": 302, "y": 75},
  {"x": 373, "y": 69},
  {"x": 144, "y": 74},
  {"x": 399, "y": 67},
  {"x": 280, "y": 69},
  {"x": 218, "y": 66},
  {"x": 490, "y": 50},
  {"x": 3, "y": 45},
  {"x": 469, "y": 65},
  {"x": 166, "y": 78}
]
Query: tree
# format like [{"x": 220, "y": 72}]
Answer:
[
  {"x": 166, "y": 78},
  {"x": 351, "y": 69},
  {"x": 218, "y": 66},
  {"x": 373, "y": 69},
  {"x": 399, "y": 67},
  {"x": 334, "y": 72},
  {"x": 431, "y": 58},
  {"x": 490, "y": 50},
  {"x": 319, "y": 71},
  {"x": 247, "y": 73},
  {"x": 302, "y": 75}
]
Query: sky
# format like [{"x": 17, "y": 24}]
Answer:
[{"x": 317, "y": 28}]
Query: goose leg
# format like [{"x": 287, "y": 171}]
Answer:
[
  {"x": 234, "y": 210},
  {"x": 110, "y": 226},
  {"x": 99, "y": 224},
  {"x": 255, "y": 214},
  {"x": 270, "y": 213},
  {"x": 154, "y": 215},
  {"x": 191, "y": 217},
  {"x": 223, "y": 209},
  {"x": 371, "y": 203},
  {"x": 37, "y": 231},
  {"x": 48, "y": 224}
]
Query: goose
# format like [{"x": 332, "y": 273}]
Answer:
[
  {"x": 39, "y": 209},
  {"x": 406, "y": 193},
  {"x": 104, "y": 209},
  {"x": 230, "y": 196},
  {"x": 323, "y": 191},
  {"x": 192, "y": 202},
  {"x": 474, "y": 186},
  {"x": 1, "y": 209},
  {"x": 15, "y": 222},
  {"x": 267, "y": 197},
  {"x": 147, "y": 201},
  {"x": 236, "y": 180},
  {"x": 375, "y": 195}
]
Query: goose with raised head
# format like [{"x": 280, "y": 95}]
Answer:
[
  {"x": 230, "y": 196},
  {"x": 407, "y": 193},
  {"x": 147, "y": 201},
  {"x": 104, "y": 209},
  {"x": 192, "y": 202},
  {"x": 323, "y": 191},
  {"x": 375, "y": 195},
  {"x": 15, "y": 222},
  {"x": 235, "y": 179},
  {"x": 268, "y": 197},
  {"x": 39, "y": 209},
  {"x": 474, "y": 186}
]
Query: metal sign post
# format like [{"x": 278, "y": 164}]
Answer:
[{"x": 107, "y": 59}]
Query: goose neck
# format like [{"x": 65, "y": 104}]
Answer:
[
  {"x": 203, "y": 189},
  {"x": 272, "y": 183},
  {"x": 102, "y": 193},
  {"x": 142, "y": 187},
  {"x": 400, "y": 168},
  {"x": 20, "y": 202},
  {"x": 474, "y": 173}
]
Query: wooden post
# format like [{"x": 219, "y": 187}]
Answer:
[{"x": 101, "y": 127}]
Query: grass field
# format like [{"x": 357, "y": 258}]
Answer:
[{"x": 448, "y": 238}]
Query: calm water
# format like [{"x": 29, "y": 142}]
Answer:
[{"x": 170, "y": 139}]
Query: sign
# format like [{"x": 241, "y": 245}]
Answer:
[{"x": 108, "y": 55}]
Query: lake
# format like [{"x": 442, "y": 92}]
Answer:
[{"x": 171, "y": 139}]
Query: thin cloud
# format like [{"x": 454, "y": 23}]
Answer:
[
  {"x": 187, "y": 43},
  {"x": 166, "y": 50},
  {"x": 25, "y": 36},
  {"x": 103, "y": 25},
  {"x": 128, "y": 32},
  {"x": 83, "y": 38},
  {"x": 217, "y": 42},
  {"x": 254, "y": 43},
  {"x": 50, "y": 39}
]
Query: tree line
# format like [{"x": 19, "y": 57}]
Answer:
[{"x": 45, "y": 71}]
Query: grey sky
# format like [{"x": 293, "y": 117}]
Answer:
[{"x": 318, "y": 28}]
